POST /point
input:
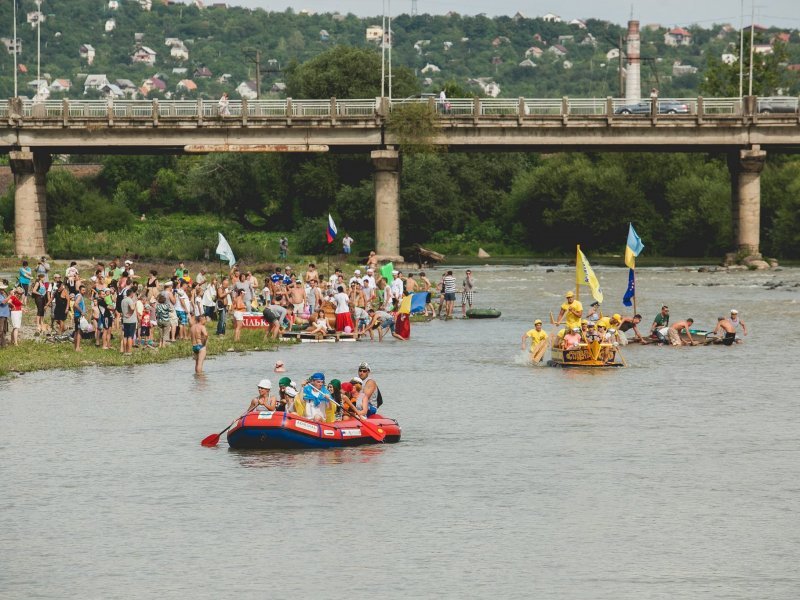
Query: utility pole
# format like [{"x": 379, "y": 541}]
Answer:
[
  {"x": 741, "y": 50},
  {"x": 254, "y": 56},
  {"x": 621, "y": 88},
  {"x": 752, "y": 36},
  {"x": 38, "y": 45},
  {"x": 16, "y": 67}
]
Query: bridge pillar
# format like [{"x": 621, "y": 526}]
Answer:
[
  {"x": 745, "y": 170},
  {"x": 30, "y": 203},
  {"x": 387, "y": 204}
]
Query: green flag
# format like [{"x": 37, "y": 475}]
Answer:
[{"x": 386, "y": 272}]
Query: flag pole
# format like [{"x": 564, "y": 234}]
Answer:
[
  {"x": 634, "y": 292},
  {"x": 577, "y": 274}
]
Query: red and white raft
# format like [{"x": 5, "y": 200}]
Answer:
[{"x": 279, "y": 430}]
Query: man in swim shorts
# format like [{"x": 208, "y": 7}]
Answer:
[
  {"x": 723, "y": 325},
  {"x": 199, "y": 335}
]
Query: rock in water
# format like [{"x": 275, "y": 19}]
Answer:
[{"x": 483, "y": 253}]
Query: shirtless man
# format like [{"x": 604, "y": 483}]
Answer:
[
  {"x": 311, "y": 273},
  {"x": 425, "y": 286},
  {"x": 411, "y": 284},
  {"x": 674, "y": 333},
  {"x": 297, "y": 296},
  {"x": 730, "y": 331},
  {"x": 199, "y": 335}
]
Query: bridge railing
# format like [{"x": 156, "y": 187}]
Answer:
[{"x": 451, "y": 109}]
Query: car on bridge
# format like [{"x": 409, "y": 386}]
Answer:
[
  {"x": 665, "y": 107},
  {"x": 778, "y": 104}
]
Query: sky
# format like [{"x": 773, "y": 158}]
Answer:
[{"x": 778, "y": 13}]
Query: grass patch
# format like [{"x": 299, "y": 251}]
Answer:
[{"x": 37, "y": 355}]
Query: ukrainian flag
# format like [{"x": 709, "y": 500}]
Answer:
[{"x": 633, "y": 247}]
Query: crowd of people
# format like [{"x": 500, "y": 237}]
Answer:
[
  {"x": 582, "y": 329},
  {"x": 357, "y": 397},
  {"x": 146, "y": 311}
]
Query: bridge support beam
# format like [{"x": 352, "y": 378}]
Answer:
[
  {"x": 30, "y": 203},
  {"x": 387, "y": 204},
  {"x": 745, "y": 169}
]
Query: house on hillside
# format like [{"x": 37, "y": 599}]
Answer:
[
  {"x": 678, "y": 37},
  {"x": 60, "y": 85},
  {"x": 446, "y": 46},
  {"x": 558, "y": 50},
  {"x": 144, "y": 55},
  {"x": 34, "y": 18},
  {"x": 247, "y": 90},
  {"x": 566, "y": 39},
  {"x": 146, "y": 4},
  {"x": 113, "y": 4},
  {"x": 765, "y": 49},
  {"x": 527, "y": 63},
  {"x": 781, "y": 37},
  {"x": 534, "y": 52},
  {"x": 519, "y": 16},
  {"x": 278, "y": 88},
  {"x": 179, "y": 52},
  {"x": 729, "y": 58},
  {"x": 567, "y": 64},
  {"x": 499, "y": 40},
  {"x": 551, "y": 18},
  {"x": 420, "y": 44},
  {"x": 8, "y": 43},
  {"x": 492, "y": 89},
  {"x": 374, "y": 33},
  {"x": 86, "y": 52},
  {"x": 589, "y": 40},
  {"x": 324, "y": 36},
  {"x": 579, "y": 23},
  {"x": 179, "y": 70},
  {"x": 127, "y": 86},
  {"x": 153, "y": 84},
  {"x": 202, "y": 73},
  {"x": 110, "y": 25},
  {"x": 338, "y": 17},
  {"x": 430, "y": 68},
  {"x": 679, "y": 69},
  {"x": 186, "y": 85},
  {"x": 94, "y": 82},
  {"x": 612, "y": 54},
  {"x": 111, "y": 90}
]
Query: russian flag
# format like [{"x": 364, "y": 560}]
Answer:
[{"x": 331, "y": 229}]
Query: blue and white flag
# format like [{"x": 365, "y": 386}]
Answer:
[
  {"x": 631, "y": 291},
  {"x": 224, "y": 250}
]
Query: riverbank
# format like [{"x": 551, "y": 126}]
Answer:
[{"x": 37, "y": 354}]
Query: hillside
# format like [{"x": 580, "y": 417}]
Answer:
[{"x": 211, "y": 48}]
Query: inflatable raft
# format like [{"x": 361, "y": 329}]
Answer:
[
  {"x": 483, "y": 313},
  {"x": 279, "y": 430}
]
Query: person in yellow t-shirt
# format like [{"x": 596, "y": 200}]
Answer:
[
  {"x": 536, "y": 335},
  {"x": 573, "y": 309}
]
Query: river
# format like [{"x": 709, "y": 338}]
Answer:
[{"x": 674, "y": 478}]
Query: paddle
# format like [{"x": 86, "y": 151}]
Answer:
[
  {"x": 537, "y": 353},
  {"x": 213, "y": 439},
  {"x": 374, "y": 432}
]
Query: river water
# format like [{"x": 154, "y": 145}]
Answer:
[{"x": 675, "y": 478}]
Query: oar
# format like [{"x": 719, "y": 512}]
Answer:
[
  {"x": 213, "y": 439},
  {"x": 537, "y": 353},
  {"x": 374, "y": 432},
  {"x": 622, "y": 358}
]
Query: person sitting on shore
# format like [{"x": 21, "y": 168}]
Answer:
[
  {"x": 263, "y": 399},
  {"x": 724, "y": 325},
  {"x": 674, "y": 333}
]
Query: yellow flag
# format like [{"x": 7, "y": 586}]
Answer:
[
  {"x": 587, "y": 276},
  {"x": 405, "y": 305}
]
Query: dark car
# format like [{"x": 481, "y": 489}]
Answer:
[
  {"x": 665, "y": 107},
  {"x": 776, "y": 105}
]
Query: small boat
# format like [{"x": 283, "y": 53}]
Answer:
[
  {"x": 594, "y": 355},
  {"x": 483, "y": 313},
  {"x": 279, "y": 430}
]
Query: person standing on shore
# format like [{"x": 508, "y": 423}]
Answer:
[
  {"x": 78, "y": 312},
  {"x": 25, "y": 276},
  {"x": 5, "y": 312},
  {"x": 128, "y": 321},
  {"x": 467, "y": 289},
  {"x": 347, "y": 241}
]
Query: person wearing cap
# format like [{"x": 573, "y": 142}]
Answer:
[
  {"x": 573, "y": 310},
  {"x": 356, "y": 278},
  {"x": 129, "y": 268},
  {"x": 279, "y": 367},
  {"x": 263, "y": 399},
  {"x": 316, "y": 398},
  {"x": 660, "y": 326},
  {"x": 369, "y": 399},
  {"x": 737, "y": 322},
  {"x": 283, "y": 398},
  {"x": 572, "y": 339},
  {"x": 592, "y": 335},
  {"x": 293, "y": 404},
  {"x": 593, "y": 316},
  {"x": 538, "y": 338}
]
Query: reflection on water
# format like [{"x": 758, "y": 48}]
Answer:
[
  {"x": 674, "y": 478},
  {"x": 307, "y": 458}
]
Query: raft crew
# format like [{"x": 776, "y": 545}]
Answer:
[
  {"x": 538, "y": 338},
  {"x": 660, "y": 326},
  {"x": 737, "y": 322},
  {"x": 674, "y": 333},
  {"x": 628, "y": 323},
  {"x": 263, "y": 398},
  {"x": 724, "y": 325},
  {"x": 573, "y": 310}
]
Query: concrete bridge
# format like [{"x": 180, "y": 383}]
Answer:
[{"x": 743, "y": 128}]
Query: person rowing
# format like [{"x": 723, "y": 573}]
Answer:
[
  {"x": 538, "y": 338},
  {"x": 263, "y": 399},
  {"x": 628, "y": 323},
  {"x": 316, "y": 398},
  {"x": 573, "y": 310}
]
